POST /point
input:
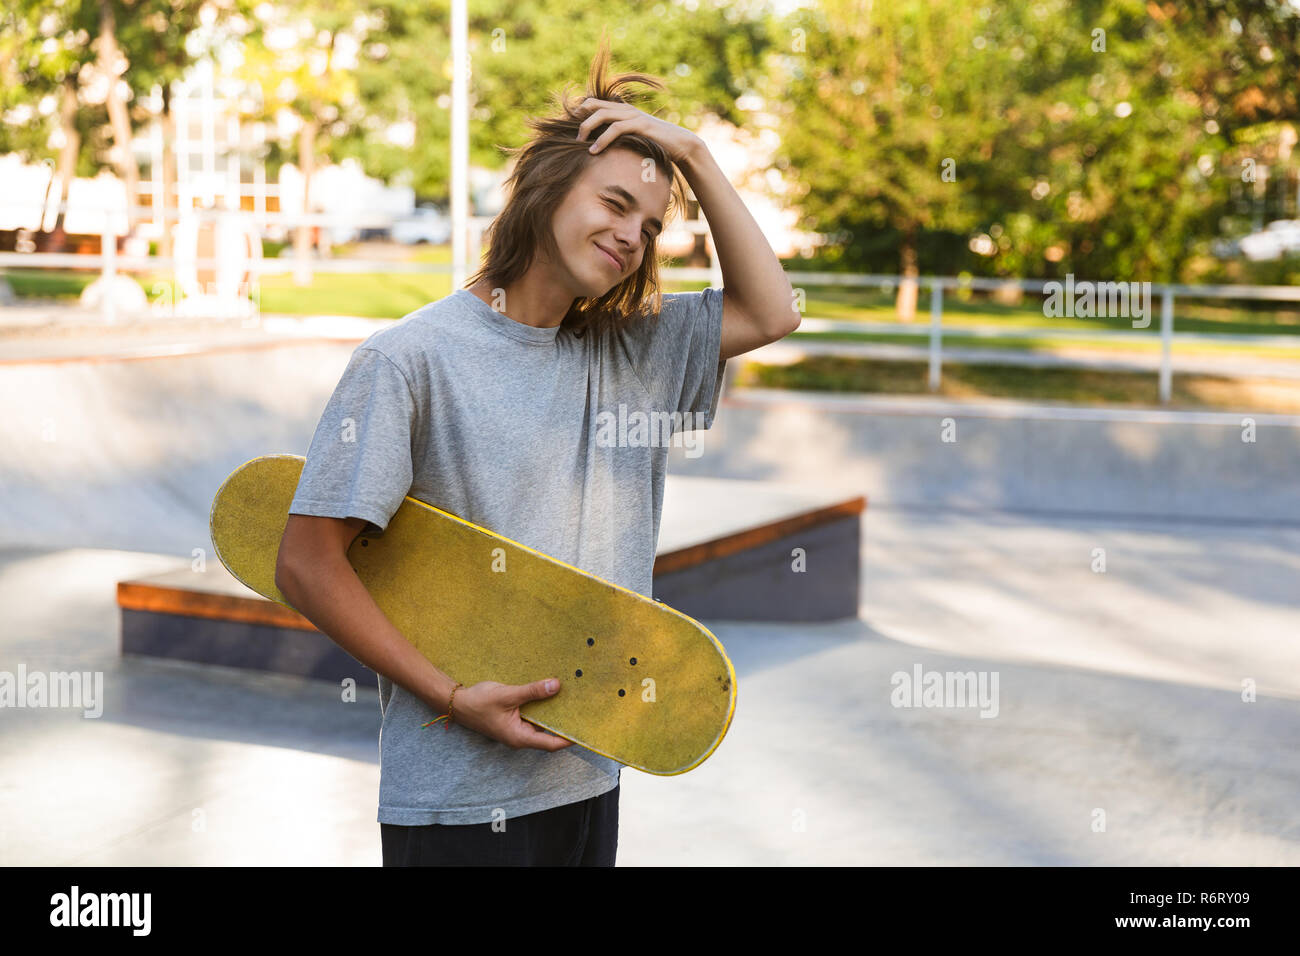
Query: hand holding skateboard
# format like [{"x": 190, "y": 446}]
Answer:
[{"x": 492, "y": 709}]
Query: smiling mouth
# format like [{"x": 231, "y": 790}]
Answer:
[{"x": 610, "y": 259}]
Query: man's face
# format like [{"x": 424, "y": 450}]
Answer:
[{"x": 611, "y": 212}]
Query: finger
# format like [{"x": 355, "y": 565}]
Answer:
[
  {"x": 522, "y": 693},
  {"x": 529, "y": 736},
  {"x": 608, "y": 113},
  {"x": 608, "y": 136},
  {"x": 590, "y": 123}
]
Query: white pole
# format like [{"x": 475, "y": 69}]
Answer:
[
  {"x": 1166, "y": 340},
  {"x": 459, "y": 142},
  {"x": 209, "y": 108},
  {"x": 936, "y": 332},
  {"x": 181, "y": 143},
  {"x": 108, "y": 250},
  {"x": 156, "y": 160},
  {"x": 259, "y": 193},
  {"x": 234, "y": 173}
]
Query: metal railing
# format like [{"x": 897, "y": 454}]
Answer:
[
  {"x": 110, "y": 262},
  {"x": 935, "y": 330}
]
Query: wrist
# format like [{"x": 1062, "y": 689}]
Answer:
[
  {"x": 447, "y": 712},
  {"x": 438, "y": 697},
  {"x": 696, "y": 153}
]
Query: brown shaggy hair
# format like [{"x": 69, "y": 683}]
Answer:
[{"x": 545, "y": 171}]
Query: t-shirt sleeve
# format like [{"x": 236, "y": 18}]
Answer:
[
  {"x": 675, "y": 355},
  {"x": 360, "y": 461}
]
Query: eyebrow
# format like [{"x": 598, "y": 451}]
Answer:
[{"x": 631, "y": 201}]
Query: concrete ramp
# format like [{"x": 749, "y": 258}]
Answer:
[{"x": 127, "y": 455}]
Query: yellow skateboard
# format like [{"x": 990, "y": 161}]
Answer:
[{"x": 640, "y": 682}]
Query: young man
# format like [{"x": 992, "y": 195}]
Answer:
[{"x": 485, "y": 404}]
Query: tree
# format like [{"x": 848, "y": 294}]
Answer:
[
  {"x": 902, "y": 119},
  {"x": 154, "y": 41},
  {"x": 47, "y": 51},
  {"x": 520, "y": 53},
  {"x": 299, "y": 58},
  {"x": 87, "y": 53},
  {"x": 1240, "y": 59},
  {"x": 1086, "y": 136},
  {"x": 373, "y": 80}
]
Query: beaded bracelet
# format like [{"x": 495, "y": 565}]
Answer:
[{"x": 447, "y": 716}]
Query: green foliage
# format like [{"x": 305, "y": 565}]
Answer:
[
  {"x": 1107, "y": 139},
  {"x": 43, "y": 45},
  {"x": 521, "y": 53},
  {"x": 1081, "y": 133}
]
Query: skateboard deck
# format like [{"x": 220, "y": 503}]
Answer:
[{"x": 640, "y": 682}]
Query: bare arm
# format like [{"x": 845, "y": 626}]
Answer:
[
  {"x": 313, "y": 572},
  {"x": 758, "y": 302}
]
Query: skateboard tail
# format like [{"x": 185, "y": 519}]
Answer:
[{"x": 246, "y": 523}]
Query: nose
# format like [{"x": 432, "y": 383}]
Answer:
[{"x": 627, "y": 241}]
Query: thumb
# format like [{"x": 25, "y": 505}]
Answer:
[{"x": 538, "y": 689}]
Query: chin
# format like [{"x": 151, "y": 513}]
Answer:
[{"x": 600, "y": 286}]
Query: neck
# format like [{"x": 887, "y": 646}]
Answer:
[{"x": 531, "y": 300}]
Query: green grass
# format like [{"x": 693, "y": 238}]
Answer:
[
  {"x": 372, "y": 296},
  {"x": 47, "y": 283},
  {"x": 392, "y": 295},
  {"x": 1146, "y": 343},
  {"x": 1077, "y": 386},
  {"x": 1190, "y": 315}
]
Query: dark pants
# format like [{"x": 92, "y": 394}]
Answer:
[{"x": 576, "y": 834}]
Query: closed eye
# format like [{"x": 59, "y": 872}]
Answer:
[{"x": 649, "y": 236}]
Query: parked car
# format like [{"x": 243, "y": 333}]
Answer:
[
  {"x": 424, "y": 224},
  {"x": 1277, "y": 239}
]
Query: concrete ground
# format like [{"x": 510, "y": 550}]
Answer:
[
  {"x": 1118, "y": 695},
  {"x": 1121, "y": 735}
]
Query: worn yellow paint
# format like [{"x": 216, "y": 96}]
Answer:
[{"x": 431, "y": 573}]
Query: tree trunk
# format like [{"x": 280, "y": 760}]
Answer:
[
  {"x": 905, "y": 304},
  {"x": 302, "y": 242},
  {"x": 699, "y": 257},
  {"x": 168, "y": 172},
  {"x": 68, "y": 153},
  {"x": 112, "y": 64}
]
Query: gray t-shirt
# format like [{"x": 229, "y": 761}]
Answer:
[{"x": 517, "y": 429}]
